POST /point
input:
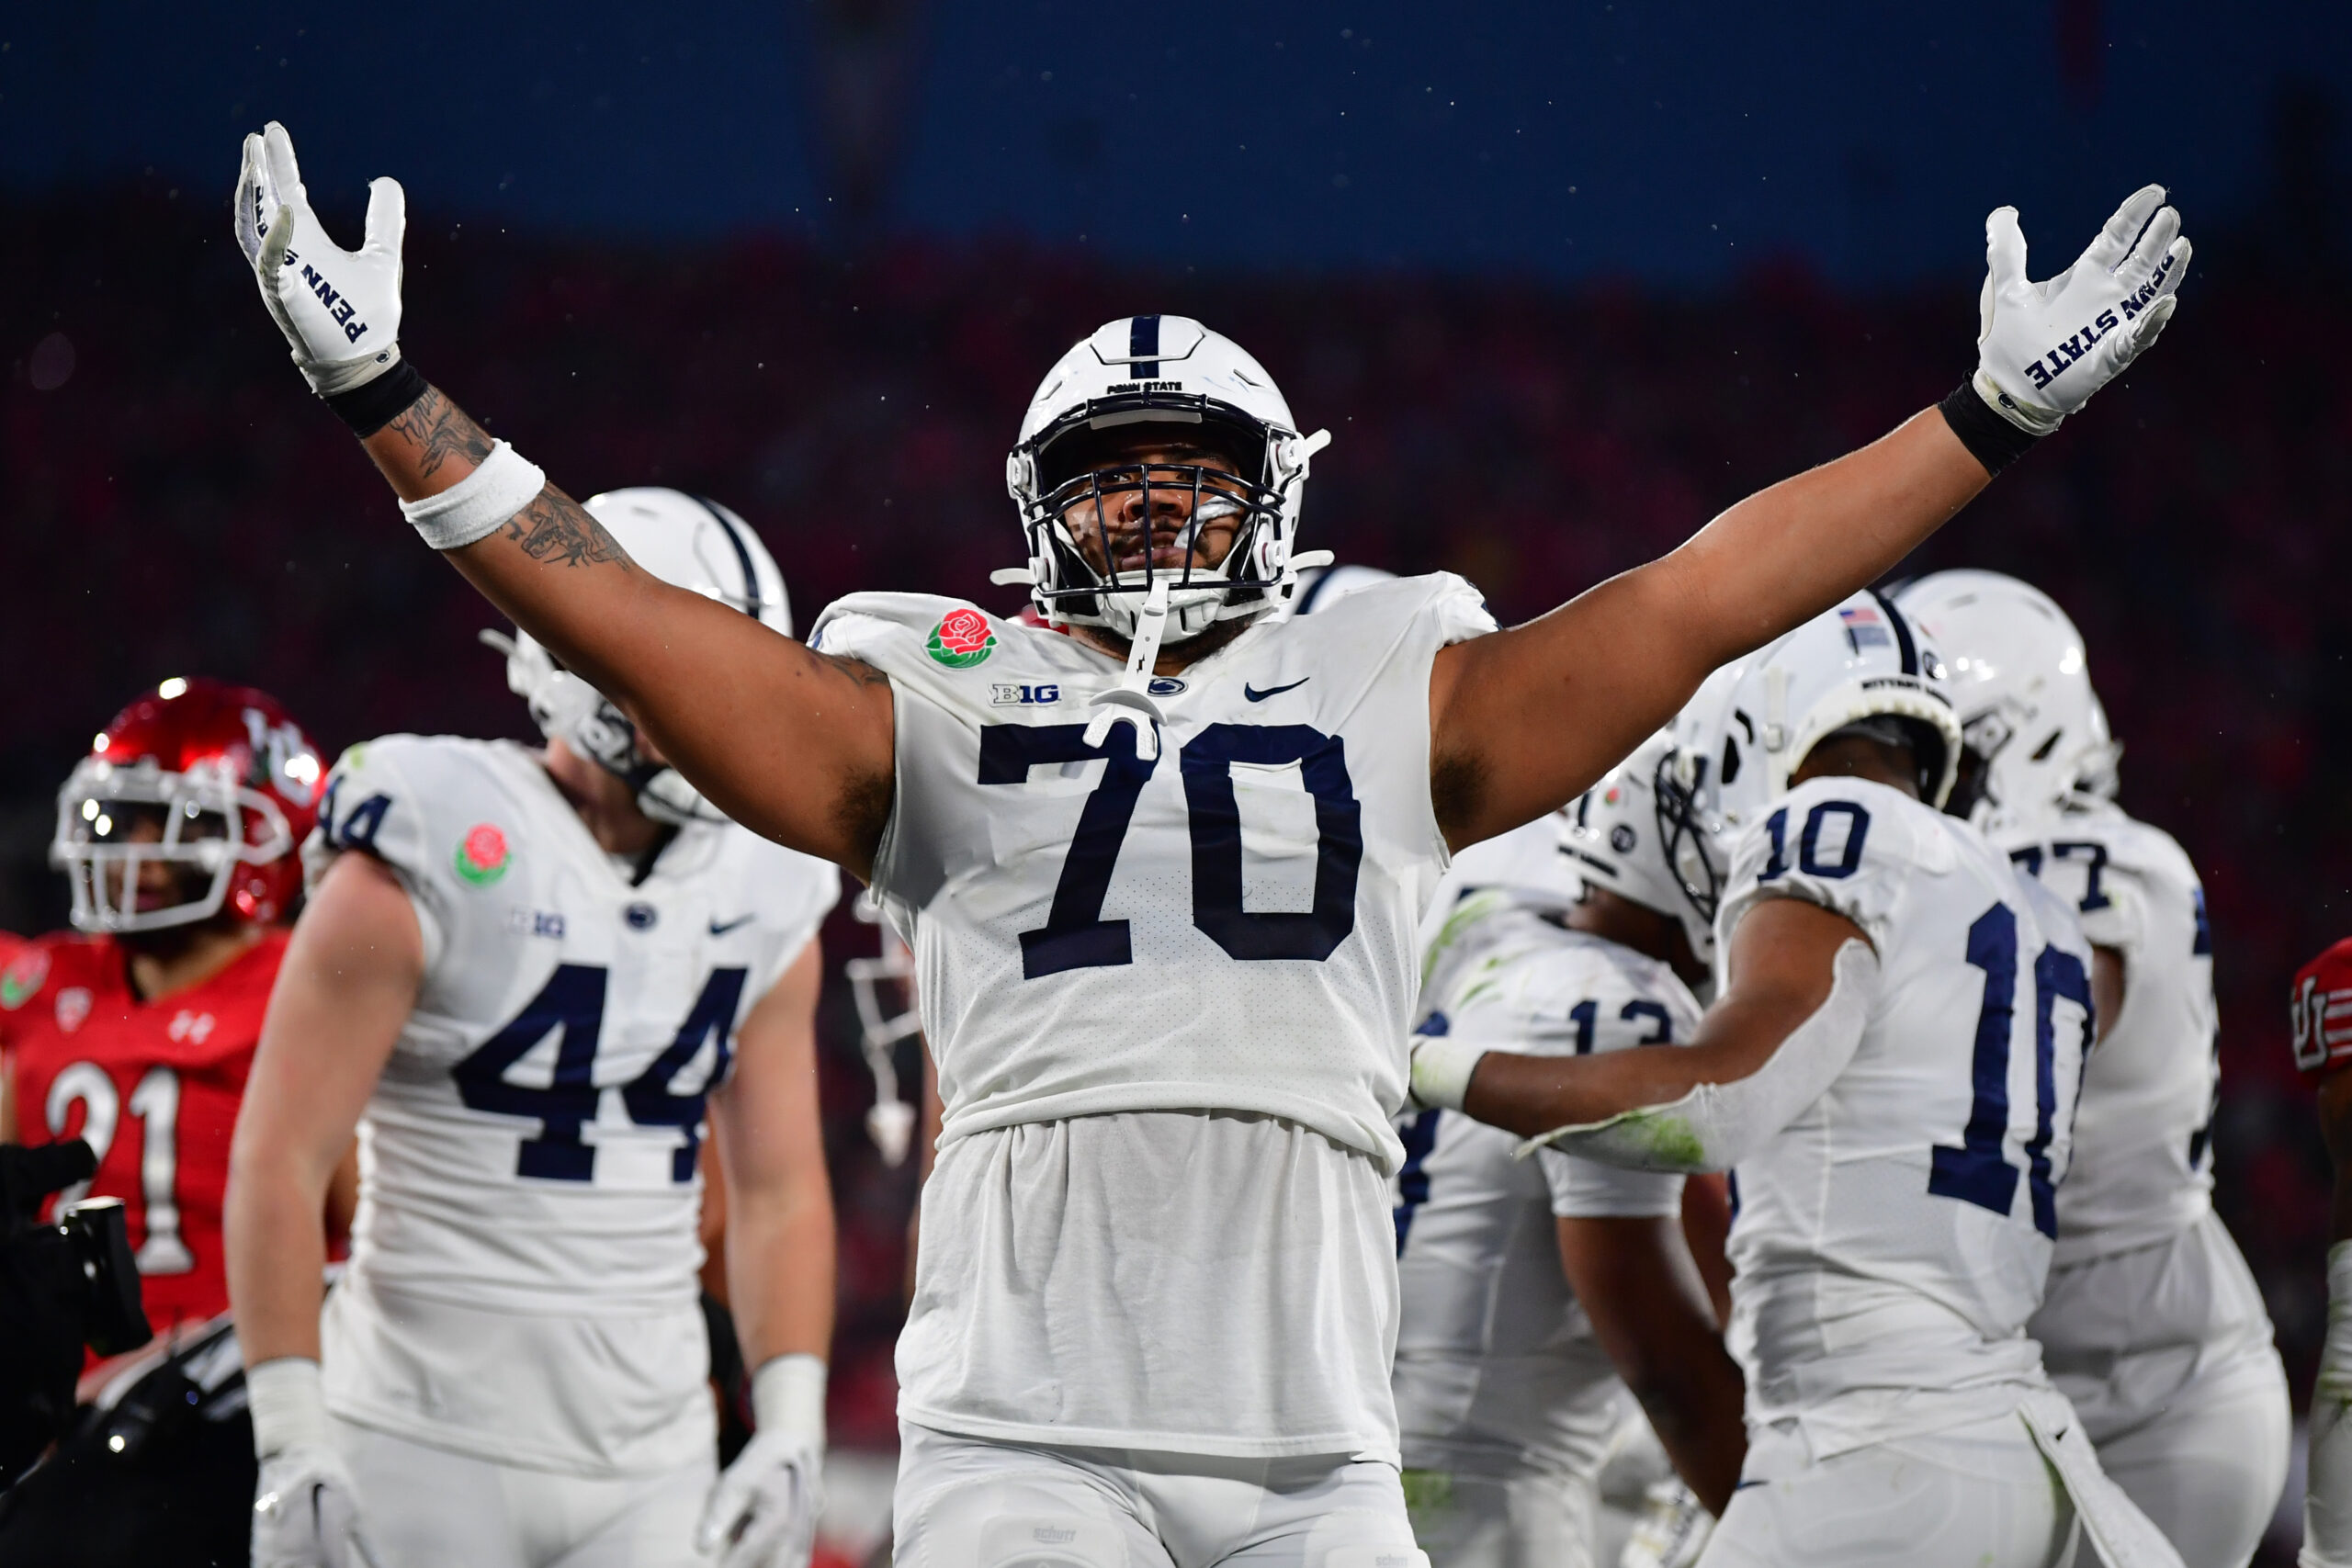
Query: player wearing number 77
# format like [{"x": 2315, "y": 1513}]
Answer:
[
  {"x": 526, "y": 976},
  {"x": 1892, "y": 1063},
  {"x": 1162, "y": 875}
]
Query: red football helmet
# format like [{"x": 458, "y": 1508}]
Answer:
[
  {"x": 201, "y": 775},
  {"x": 2319, "y": 1011}
]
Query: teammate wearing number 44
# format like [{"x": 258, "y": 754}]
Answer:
[
  {"x": 526, "y": 976},
  {"x": 1892, "y": 1063},
  {"x": 1165, "y": 920}
]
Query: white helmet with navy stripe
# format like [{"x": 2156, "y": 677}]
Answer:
[
  {"x": 1170, "y": 372},
  {"x": 2036, "y": 733},
  {"x": 1860, "y": 665},
  {"x": 1615, "y": 837},
  {"x": 682, "y": 539}
]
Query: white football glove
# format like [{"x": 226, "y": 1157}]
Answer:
[
  {"x": 340, "y": 309},
  {"x": 306, "y": 1512},
  {"x": 2043, "y": 348},
  {"x": 762, "y": 1511}
]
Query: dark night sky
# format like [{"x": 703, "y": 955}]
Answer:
[{"x": 1675, "y": 144}]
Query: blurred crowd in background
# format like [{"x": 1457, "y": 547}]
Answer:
[{"x": 173, "y": 502}]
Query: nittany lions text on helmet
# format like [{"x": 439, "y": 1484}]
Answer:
[
  {"x": 1753, "y": 721},
  {"x": 1165, "y": 375},
  {"x": 682, "y": 539}
]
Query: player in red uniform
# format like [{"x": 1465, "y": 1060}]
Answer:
[
  {"x": 134, "y": 1030},
  {"x": 178, "y": 834},
  {"x": 2320, "y": 1014}
]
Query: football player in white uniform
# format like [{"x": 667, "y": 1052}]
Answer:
[
  {"x": 1162, "y": 875},
  {"x": 1529, "y": 1286},
  {"x": 527, "y": 978},
  {"x": 2152, "y": 1324},
  {"x": 1891, "y": 1066}
]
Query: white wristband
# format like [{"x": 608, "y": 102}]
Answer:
[
  {"x": 288, "y": 1409},
  {"x": 1441, "y": 1069},
  {"x": 478, "y": 504},
  {"x": 788, "y": 1397}
]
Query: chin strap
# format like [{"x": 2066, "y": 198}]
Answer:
[{"x": 1130, "y": 700}]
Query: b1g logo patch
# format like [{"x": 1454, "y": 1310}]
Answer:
[
  {"x": 482, "y": 856},
  {"x": 961, "y": 640}
]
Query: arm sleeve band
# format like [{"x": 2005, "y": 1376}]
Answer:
[
  {"x": 2327, "y": 1505},
  {"x": 1716, "y": 1125},
  {"x": 289, "y": 1410},
  {"x": 372, "y": 403},
  {"x": 478, "y": 504},
  {"x": 1990, "y": 435},
  {"x": 788, "y": 1396}
]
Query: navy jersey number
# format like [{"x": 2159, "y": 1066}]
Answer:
[
  {"x": 1977, "y": 1172},
  {"x": 573, "y": 1002},
  {"x": 1076, "y": 936},
  {"x": 1809, "y": 861}
]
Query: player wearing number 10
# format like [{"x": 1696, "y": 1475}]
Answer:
[
  {"x": 1162, "y": 875},
  {"x": 1892, "y": 1065}
]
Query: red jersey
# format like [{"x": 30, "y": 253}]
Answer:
[{"x": 153, "y": 1086}]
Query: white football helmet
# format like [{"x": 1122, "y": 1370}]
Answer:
[
  {"x": 1172, "y": 372},
  {"x": 1753, "y": 721},
  {"x": 682, "y": 539},
  {"x": 2036, "y": 733},
  {"x": 1617, "y": 838}
]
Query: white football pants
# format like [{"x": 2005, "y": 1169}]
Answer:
[
  {"x": 426, "y": 1508},
  {"x": 965, "y": 1502},
  {"x": 2166, "y": 1350},
  {"x": 1542, "y": 1520},
  {"x": 1974, "y": 1496}
]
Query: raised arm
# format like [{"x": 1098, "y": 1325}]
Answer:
[
  {"x": 791, "y": 743},
  {"x": 1523, "y": 721}
]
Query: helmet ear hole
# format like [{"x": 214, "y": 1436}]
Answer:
[{"x": 1729, "y": 773}]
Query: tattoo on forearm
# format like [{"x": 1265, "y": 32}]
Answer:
[
  {"x": 555, "y": 527},
  {"x": 439, "y": 428}
]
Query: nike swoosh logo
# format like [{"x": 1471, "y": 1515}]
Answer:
[
  {"x": 1255, "y": 695},
  {"x": 717, "y": 930},
  {"x": 1744, "y": 1485}
]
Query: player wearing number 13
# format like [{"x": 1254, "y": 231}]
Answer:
[
  {"x": 1162, "y": 875},
  {"x": 533, "y": 972}
]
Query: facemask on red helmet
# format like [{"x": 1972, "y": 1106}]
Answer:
[{"x": 193, "y": 801}]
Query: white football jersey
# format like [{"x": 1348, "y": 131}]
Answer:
[
  {"x": 529, "y": 1152},
  {"x": 2142, "y": 1169},
  {"x": 1231, "y": 924},
  {"x": 1169, "y": 999},
  {"x": 1497, "y": 1371},
  {"x": 1892, "y": 1240}
]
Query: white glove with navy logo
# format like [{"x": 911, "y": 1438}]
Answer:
[
  {"x": 339, "y": 309},
  {"x": 2043, "y": 348},
  {"x": 306, "y": 1513},
  {"x": 762, "y": 1512}
]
